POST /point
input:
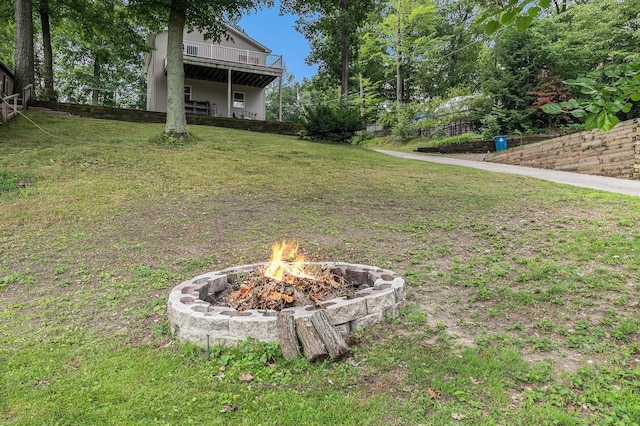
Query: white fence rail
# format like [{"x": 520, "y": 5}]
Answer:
[{"x": 231, "y": 54}]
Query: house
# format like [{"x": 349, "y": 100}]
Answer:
[
  {"x": 7, "y": 80},
  {"x": 223, "y": 79},
  {"x": 8, "y": 106}
]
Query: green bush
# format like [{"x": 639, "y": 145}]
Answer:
[
  {"x": 490, "y": 126},
  {"x": 404, "y": 130},
  {"x": 362, "y": 138},
  {"x": 337, "y": 124}
]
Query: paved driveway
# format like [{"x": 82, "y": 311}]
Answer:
[{"x": 602, "y": 183}]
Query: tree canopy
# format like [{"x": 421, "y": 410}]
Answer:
[{"x": 396, "y": 61}]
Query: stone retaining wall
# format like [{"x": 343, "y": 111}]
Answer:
[
  {"x": 194, "y": 319},
  {"x": 615, "y": 153}
]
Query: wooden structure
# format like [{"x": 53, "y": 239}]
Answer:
[{"x": 11, "y": 103}]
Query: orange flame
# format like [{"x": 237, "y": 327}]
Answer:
[{"x": 278, "y": 265}]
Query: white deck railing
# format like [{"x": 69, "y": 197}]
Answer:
[{"x": 231, "y": 54}]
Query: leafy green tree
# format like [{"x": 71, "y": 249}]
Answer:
[
  {"x": 453, "y": 60},
  {"x": 7, "y": 33},
  {"x": 100, "y": 48},
  {"x": 613, "y": 38},
  {"x": 332, "y": 30},
  {"x": 398, "y": 42},
  {"x": 512, "y": 70},
  {"x": 598, "y": 61}
]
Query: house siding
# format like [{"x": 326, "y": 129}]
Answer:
[{"x": 203, "y": 90}]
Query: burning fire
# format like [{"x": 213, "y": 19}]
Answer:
[{"x": 279, "y": 269}]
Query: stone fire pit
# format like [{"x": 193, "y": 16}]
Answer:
[{"x": 193, "y": 318}]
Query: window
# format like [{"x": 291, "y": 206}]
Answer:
[
  {"x": 238, "y": 100},
  {"x": 190, "y": 49},
  {"x": 187, "y": 93}
]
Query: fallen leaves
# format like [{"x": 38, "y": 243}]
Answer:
[
  {"x": 432, "y": 393},
  {"x": 458, "y": 416},
  {"x": 246, "y": 377},
  {"x": 257, "y": 291},
  {"x": 228, "y": 408},
  {"x": 281, "y": 296}
]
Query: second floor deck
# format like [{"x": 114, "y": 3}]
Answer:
[{"x": 212, "y": 62}]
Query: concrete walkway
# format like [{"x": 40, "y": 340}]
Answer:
[{"x": 602, "y": 183}]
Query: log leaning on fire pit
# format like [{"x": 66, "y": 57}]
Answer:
[{"x": 317, "y": 336}]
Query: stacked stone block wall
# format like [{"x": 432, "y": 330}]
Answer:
[{"x": 615, "y": 153}]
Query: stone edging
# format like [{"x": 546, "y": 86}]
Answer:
[{"x": 194, "y": 319}]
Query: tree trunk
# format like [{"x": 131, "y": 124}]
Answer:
[
  {"x": 176, "y": 124},
  {"x": 399, "y": 53},
  {"x": 96, "y": 81},
  {"x": 24, "y": 45},
  {"x": 49, "y": 93},
  {"x": 344, "y": 54},
  {"x": 360, "y": 79}
]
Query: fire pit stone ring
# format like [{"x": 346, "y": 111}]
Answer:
[{"x": 193, "y": 318}]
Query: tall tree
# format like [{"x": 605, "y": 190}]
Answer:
[
  {"x": 332, "y": 26},
  {"x": 512, "y": 70},
  {"x": 99, "y": 49},
  {"x": 405, "y": 37},
  {"x": 24, "y": 57},
  {"x": 47, "y": 63},
  {"x": 208, "y": 16},
  {"x": 7, "y": 32}
]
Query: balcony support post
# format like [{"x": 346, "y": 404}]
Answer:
[
  {"x": 280, "y": 98},
  {"x": 229, "y": 94}
]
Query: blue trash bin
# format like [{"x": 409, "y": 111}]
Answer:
[{"x": 501, "y": 143}]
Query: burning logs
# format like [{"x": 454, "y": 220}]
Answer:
[
  {"x": 315, "y": 333},
  {"x": 259, "y": 291}
]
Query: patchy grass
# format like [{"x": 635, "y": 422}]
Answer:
[{"x": 523, "y": 294}]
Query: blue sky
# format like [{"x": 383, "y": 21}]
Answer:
[{"x": 278, "y": 34}]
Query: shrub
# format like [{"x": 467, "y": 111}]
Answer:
[
  {"x": 362, "y": 138},
  {"x": 337, "y": 124},
  {"x": 490, "y": 126}
]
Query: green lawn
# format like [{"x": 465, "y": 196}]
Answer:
[{"x": 523, "y": 294}]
